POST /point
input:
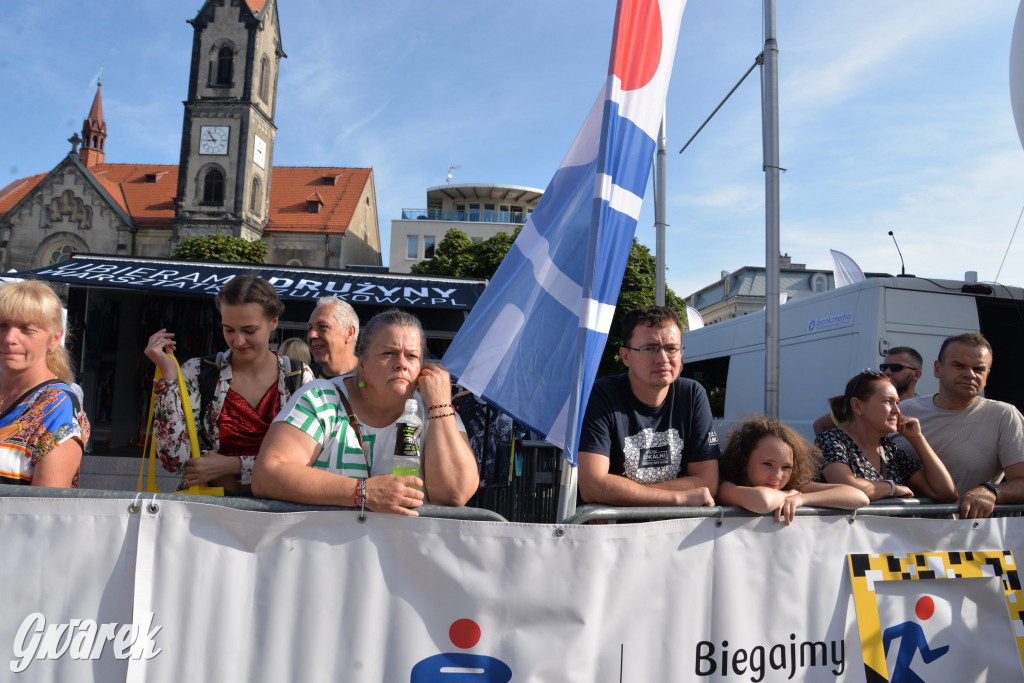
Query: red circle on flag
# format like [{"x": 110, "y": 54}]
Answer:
[
  {"x": 637, "y": 43},
  {"x": 925, "y": 608},
  {"x": 464, "y": 633}
]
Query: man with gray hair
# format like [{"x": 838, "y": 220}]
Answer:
[{"x": 332, "y": 332}]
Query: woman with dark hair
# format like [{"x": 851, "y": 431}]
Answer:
[
  {"x": 766, "y": 466},
  {"x": 252, "y": 383},
  {"x": 859, "y": 454},
  {"x": 334, "y": 444},
  {"x": 42, "y": 426}
]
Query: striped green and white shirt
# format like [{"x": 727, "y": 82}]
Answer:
[{"x": 318, "y": 411}]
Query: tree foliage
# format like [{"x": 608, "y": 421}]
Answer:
[
  {"x": 220, "y": 247},
  {"x": 456, "y": 255},
  {"x": 639, "y": 286}
]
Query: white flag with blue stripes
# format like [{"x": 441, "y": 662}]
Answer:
[{"x": 533, "y": 342}]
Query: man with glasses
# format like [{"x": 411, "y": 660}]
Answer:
[
  {"x": 977, "y": 439},
  {"x": 903, "y": 366},
  {"x": 647, "y": 436}
]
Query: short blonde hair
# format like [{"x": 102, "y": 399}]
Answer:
[
  {"x": 35, "y": 302},
  {"x": 295, "y": 348}
]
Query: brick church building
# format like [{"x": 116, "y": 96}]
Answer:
[{"x": 224, "y": 182}]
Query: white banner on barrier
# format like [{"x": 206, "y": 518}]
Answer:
[{"x": 217, "y": 594}]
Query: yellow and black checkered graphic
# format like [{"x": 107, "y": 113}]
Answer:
[{"x": 867, "y": 569}]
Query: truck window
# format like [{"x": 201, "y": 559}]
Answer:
[
  {"x": 712, "y": 375},
  {"x": 1002, "y": 323}
]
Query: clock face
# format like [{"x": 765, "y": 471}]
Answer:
[
  {"x": 259, "y": 152},
  {"x": 213, "y": 139}
]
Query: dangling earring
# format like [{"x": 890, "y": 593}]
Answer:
[{"x": 361, "y": 384}]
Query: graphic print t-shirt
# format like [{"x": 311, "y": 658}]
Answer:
[{"x": 649, "y": 444}]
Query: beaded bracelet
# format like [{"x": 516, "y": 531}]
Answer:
[
  {"x": 438, "y": 417},
  {"x": 440, "y": 405},
  {"x": 360, "y": 495}
]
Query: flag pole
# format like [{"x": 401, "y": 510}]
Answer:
[
  {"x": 770, "y": 123},
  {"x": 659, "y": 215}
]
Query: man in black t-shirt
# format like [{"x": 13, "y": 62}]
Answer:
[{"x": 647, "y": 436}]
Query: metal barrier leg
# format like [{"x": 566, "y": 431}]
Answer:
[{"x": 566, "y": 492}]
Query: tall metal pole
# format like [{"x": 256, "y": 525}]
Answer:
[
  {"x": 659, "y": 215},
  {"x": 770, "y": 122}
]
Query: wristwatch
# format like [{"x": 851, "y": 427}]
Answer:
[{"x": 991, "y": 487}]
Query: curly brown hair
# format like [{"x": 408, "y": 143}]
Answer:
[{"x": 743, "y": 439}]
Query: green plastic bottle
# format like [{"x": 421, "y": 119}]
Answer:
[{"x": 407, "y": 442}]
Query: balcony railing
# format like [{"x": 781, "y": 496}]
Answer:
[{"x": 471, "y": 216}]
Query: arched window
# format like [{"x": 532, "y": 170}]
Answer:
[
  {"x": 225, "y": 56},
  {"x": 60, "y": 253},
  {"x": 265, "y": 79},
  {"x": 819, "y": 282},
  {"x": 213, "y": 187},
  {"x": 256, "y": 196}
]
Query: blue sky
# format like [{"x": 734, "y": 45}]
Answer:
[{"x": 893, "y": 115}]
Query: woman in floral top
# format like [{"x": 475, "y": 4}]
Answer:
[
  {"x": 859, "y": 455},
  {"x": 42, "y": 425},
  {"x": 251, "y": 389}
]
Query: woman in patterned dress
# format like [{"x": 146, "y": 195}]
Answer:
[
  {"x": 252, "y": 386},
  {"x": 859, "y": 455},
  {"x": 42, "y": 426}
]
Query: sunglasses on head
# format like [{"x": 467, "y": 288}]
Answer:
[
  {"x": 895, "y": 367},
  {"x": 866, "y": 372}
]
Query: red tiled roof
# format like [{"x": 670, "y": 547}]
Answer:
[
  {"x": 256, "y": 5},
  {"x": 339, "y": 188},
  {"x": 146, "y": 193},
  {"x": 12, "y": 194}
]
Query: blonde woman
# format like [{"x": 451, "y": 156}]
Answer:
[{"x": 43, "y": 429}]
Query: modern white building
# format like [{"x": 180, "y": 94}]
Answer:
[
  {"x": 743, "y": 291},
  {"x": 480, "y": 211}
]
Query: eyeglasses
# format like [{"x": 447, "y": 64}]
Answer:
[
  {"x": 895, "y": 367},
  {"x": 671, "y": 350}
]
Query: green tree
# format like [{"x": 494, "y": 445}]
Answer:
[
  {"x": 456, "y": 255},
  {"x": 639, "y": 285},
  {"x": 220, "y": 247}
]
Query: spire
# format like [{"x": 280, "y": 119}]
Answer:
[{"x": 94, "y": 132}]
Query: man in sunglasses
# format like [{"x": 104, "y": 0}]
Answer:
[
  {"x": 903, "y": 366},
  {"x": 978, "y": 440},
  {"x": 647, "y": 437}
]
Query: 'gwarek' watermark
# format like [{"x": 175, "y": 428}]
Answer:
[{"x": 82, "y": 639}]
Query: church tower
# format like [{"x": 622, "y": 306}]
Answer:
[
  {"x": 94, "y": 133},
  {"x": 227, "y": 140}
]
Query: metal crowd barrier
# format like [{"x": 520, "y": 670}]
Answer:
[
  {"x": 887, "y": 507},
  {"x": 532, "y": 494},
  {"x": 234, "y": 502}
]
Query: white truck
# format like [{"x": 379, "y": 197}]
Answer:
[{"x": 826, "y": 338}]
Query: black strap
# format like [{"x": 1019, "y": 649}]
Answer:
[
  {"x": 293, "y": 376},
  {"x": 209, "y": 373},
  {"x": 69, "y": 391}
]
